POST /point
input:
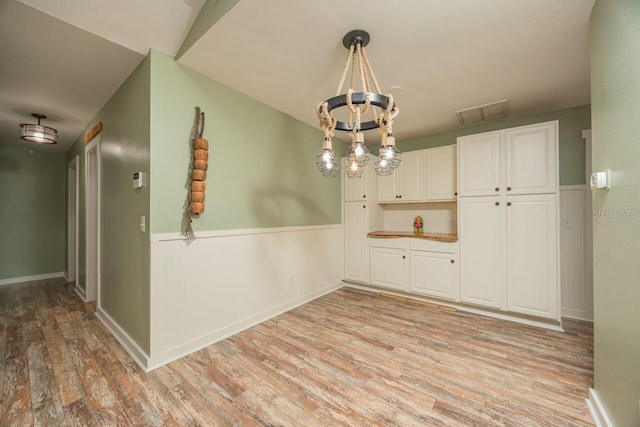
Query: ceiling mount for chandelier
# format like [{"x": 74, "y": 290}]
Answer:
[
  {"x": 37, "y": 132},
  {"x": 381, "y": 108}
]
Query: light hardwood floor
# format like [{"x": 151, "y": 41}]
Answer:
[{"x": 348, "y": 358}]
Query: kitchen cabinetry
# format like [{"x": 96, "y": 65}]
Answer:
[
  {"x": 521, "y": 160},
  {"x": 359, "y": 218},
  {"x": 434, "y": 269},
  {"x": 508, "y": 220},
  {"x": 389, "y": 263},
  {"x": 441, "y": 167},
  {"x": 407, "y": 183},
  {"x": 532, "y": 271}
]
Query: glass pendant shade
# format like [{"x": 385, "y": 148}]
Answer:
[
  {"x": 358, "y": 153},
  {"x": 326, "y": 160},
  {"x": 38, "y": 133},
  {"x": 389, "y": 157},
  {"x": 353, "y": 170}
]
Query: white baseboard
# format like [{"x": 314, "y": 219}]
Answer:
[
  {"x": 13, "y": 280},
  {"x": 576, "y": 314},
  {"x": 138, "y": 355},
  {"x": 81, "y": 293},
  {"x": 598, "y": 413},
  {"x": 460, "y": 307},
  {"x": 211, "y": 338}
]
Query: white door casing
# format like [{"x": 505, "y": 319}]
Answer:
[
  {"x": 72, "y": 219},
  {"x": 92, "y": 218}
]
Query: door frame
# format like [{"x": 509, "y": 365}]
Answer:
[
  {"x": 92, "y": 289},
  {"x": 72, "y": 223}
]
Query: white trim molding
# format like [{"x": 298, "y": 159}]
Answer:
[
  {"x": 598, "y": 413},
  {"x": 226, "y": 281},
  {"x": 134, "y": 350},
  {"x": 23, "y": 279},
  {"x": 81, "y": 292}
]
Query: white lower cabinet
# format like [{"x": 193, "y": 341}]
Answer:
[
  {"x": 389, "y": 263},
  {"x": 435, "y": 274},
  {"x": 532, "y": 255},
  {"x": 356, "y": 226}
]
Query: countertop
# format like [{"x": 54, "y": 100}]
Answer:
[{"x": 442, "y": 237}]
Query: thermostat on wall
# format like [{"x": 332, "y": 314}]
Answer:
[{"x": 138, "y": 179}]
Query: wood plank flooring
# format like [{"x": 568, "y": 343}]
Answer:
[{"x": 348, "y": 358}]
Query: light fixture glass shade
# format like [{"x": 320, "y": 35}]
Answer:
[
  {"x": 327, "y": 164},
  {"x": 353, "y": 169},
  {"x": 38, "y": 133},
  {"x": 389, "y": 157}
]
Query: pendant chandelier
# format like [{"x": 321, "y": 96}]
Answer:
[
  {"x": 381, "y": 108},
  {"x": 37, "y": 132}
]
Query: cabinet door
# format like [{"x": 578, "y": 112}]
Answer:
[
  {"x": 388, "y": 268},
  {"x": 442, "y": 173},
  {"x": 387, "y": 191},
  {"x": 532, "y": 159},
  {"x": 434, "y": 274},
  {"x": 412, "y": 177},
  {"x": 480, "y": 235},
  {"x": 479, "y": 164},
  {"x": 356, "y": 252},
  {"x": 532, "y": 257}
]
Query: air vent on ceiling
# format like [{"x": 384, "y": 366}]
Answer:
[{"x": 483, "y": 113}]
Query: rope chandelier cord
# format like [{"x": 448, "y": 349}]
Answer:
[{"x": 381, "y": 107}]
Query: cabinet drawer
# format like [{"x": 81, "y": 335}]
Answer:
[
  {"x": 400, "y": 243},
  {"x": 434, "y": 246}
]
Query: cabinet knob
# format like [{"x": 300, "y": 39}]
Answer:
[
  {"x": 508, "y": 188},
  {"x": 497, "y": 203},
  {"x": 400, "y": 196},
  {"x": 364, "y": 196},
  {"x": 452, "y": 261},
  {"x": 364, "y": 206},
  {"x": 455, "y": 194},
  {"x": 396, "y": 196},
  {"x": 404, "y": 257},
  {"x": 508, "y": 203},
  {"x": 497, "y": 188}
]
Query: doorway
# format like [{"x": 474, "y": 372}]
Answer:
[
  {"x": 92, "y": 214},
  {"x": 72, "y": 222}
]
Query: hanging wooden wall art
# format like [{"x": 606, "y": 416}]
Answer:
[{"x": 197, "y": 174}]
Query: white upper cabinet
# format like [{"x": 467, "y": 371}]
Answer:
[
  {"x": 521, "y": 160},
  {"x": 479, "y": 164},
  {"x": 531, "y": 153},
  {"x": 407, "y": 182},
  {"x": 441, "y": 174}
]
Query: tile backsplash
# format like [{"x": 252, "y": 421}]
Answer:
[{"x": 438, "y": 217}]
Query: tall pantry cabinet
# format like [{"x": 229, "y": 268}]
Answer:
[
  {"x": 508, "y": 220},
  {"x": 362, "y": 214}
]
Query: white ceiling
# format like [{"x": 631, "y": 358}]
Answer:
[
  {"x": 445, "y": 55},
  {"x": 65, "y": 58}
]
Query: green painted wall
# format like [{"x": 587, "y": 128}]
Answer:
[
  {"x": 32, "y": 212},
  {"x": 210, "y": 13},
  {"x": 572, "y": 122},
  {"x": 124, "y": 250},
  {"x": 615, "y": 95},
  {"x": 262, "y": 170}
]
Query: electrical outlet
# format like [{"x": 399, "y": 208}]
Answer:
[{"x": 143, "y": 224}]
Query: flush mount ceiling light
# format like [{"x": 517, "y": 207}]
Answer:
[
  {"x": 38, "y": 133},
  {"x": 381, "y": 108}
]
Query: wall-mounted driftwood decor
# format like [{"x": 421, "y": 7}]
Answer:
[{"x": 196, "y": 176}]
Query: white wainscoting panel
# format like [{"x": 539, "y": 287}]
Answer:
[
  {"x": 575, "y": 242},
  {"x": 227, "y": 281},
  {"x": 440, "y": 217}
]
